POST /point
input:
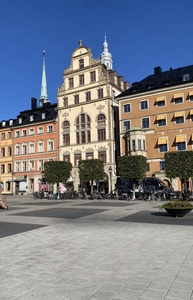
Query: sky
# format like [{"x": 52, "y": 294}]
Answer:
[{"x": 141, "y": 35}]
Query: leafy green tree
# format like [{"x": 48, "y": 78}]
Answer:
[
  {"x": 179, "y": 164},
  {"x": 132, "y": 167},
  {"x": 90, "y": 170},
  {"x": 57, "y": 171}
]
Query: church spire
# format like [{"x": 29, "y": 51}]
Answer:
[
  {"x": 106, "y": 57},
  {"x": 44, "y": 95}
]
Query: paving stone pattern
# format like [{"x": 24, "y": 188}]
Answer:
[{"x": 95, "y": 257}]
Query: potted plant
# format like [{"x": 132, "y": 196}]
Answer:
[{"x": 177, "y": 208}]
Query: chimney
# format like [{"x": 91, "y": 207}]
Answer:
[
  {"x": 157, "y": 70},
  {"x": 33, "y": 103}
]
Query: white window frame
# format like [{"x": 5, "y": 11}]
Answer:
[
  {"x": 52, "y": 145},
  {"x": 17, "y": 166},
  {"x": 126, "y": 105},
  {"x": 17, "y": 150},
  {"x": 40, "y": 146},
  {"x": 124, "y": 127},
  {"x": 31, "y": 131},
  {"x": 24, "y": 147},
  {"x": 140, "y": 103},
  {"x": 31, "y": 148},
  {"x": 31, "y": 118},
  {"x": 40, "y": 130},
  {"x": 142, "y": 123},
  {"x": 31, "y": 165}
]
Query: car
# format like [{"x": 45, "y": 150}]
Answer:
[{"x": 145, "y": 186}]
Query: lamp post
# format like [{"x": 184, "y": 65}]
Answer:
[{"x": 110, "y": 175}]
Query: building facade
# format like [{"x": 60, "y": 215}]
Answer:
[
  {"x": 156, "y": 116},
  {"x": 88, "y": 123}
]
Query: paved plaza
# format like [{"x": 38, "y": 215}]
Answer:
[{"x": 94, "y": 249}]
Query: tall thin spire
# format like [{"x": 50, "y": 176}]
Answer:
[
  {"x": 44, "y": 94},
  {"x": 106, "y": 57}
]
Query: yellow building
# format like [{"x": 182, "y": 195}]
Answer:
[
  {"x": 6, "y": 157},
  {"x": 156, "y": 116},
  {"x": 88, "y": 125}
]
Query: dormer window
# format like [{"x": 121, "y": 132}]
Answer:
[
  {"x": 81, "y": 63},
  {"x": 20, "y": 120},
  {"x": 186, "y": 77},
  {"x": 43, "y": 115},
  {"x": 10, "y": 122},
  {"x": 3, "y": 123},
  {"x": 31, "y": 118}
]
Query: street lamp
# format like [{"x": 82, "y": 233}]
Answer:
[{"x": 110, "y": 174}]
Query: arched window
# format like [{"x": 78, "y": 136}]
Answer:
[
  {"x": 66, "y": 133},
  {"x": 83, "y": 129},
  {"x": 101, "y": 127}
]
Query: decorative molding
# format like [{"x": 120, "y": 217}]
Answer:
[
  {"x": 65, "y": 115},
  {"x": 100, "y": 107}
]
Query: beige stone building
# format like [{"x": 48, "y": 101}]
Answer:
[
  {"x": 88, "y": 124},
  {"x": 156, "y": 116}
]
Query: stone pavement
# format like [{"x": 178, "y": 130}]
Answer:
[{"x": 94, "y": 249}]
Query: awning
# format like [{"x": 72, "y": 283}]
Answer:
[
  {"x": 180, "y": 138},
  {"x": 178, "y": 114},
  {"x": 191, "y": 112},
  {"x": 177, "y": 95},
  {"x": 159, "y": 99},
  {"x": 190, "y": 94},
  {"x": 162, "y": 141},
  {"x": 161, "y": 117}
]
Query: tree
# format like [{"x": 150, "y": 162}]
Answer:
[
  {"x": 179, "y": 164},
  {"x": 90, "y": 170},
  {"x": 132, "y": 167},
  {"x": 57, "y": 171}
]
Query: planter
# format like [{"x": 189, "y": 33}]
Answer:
[{"x": 178, "y": 212}]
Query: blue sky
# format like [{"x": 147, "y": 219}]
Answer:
[{"x": 141, "y": 35}]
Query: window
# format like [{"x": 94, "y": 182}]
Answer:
[
  {"x": 17, "y": 167},
  {"x": 148, "y": 167},
  {"x": 71, "y": 82},
  {"x": 65, "y": 102},
  {"x": 160, "y": 103},
  {"x": 179, "y": 120},
  {"x": 83, "y": 129},
  {"x": 77, "y": 158},
  {"x": 133, "y": 145},
  {"x": 144, "y": 104},
  {"x": 186, "y": 77},
  {"x": 66, "y": 126},
  {"x": 89, "y": 155},
  {"x": 162, "y": 165},
  {"x": 88, "y": 96},
  {"x": 31, "y": 148},
  {"x": 144, "y": 145},
  {"x": 81, "y": 79},
  {"x": 101, "y": 120},
  {"x": 40, "y": 147},
  {"x": 24, "y": 149},
  {"x": 31, "y": 165},
  {"x": 93, "y": 76},
  {"x": 31, "y": 131},
  {"x": 161, "y": 122},
  {"x": 40, "y": 164},
  {"x": 31, "y": 118},
  {"x": 2, "y": 152},
  {"x": 50, "y": 146},
  {"x": 126, "y": 125},
  {"x": 178, "y": 100},
  {"x": 40, "y": 130},
  {"x": 9, "y": 151},
  {"x": 126, "y": 108},
  {"x": 66, "y": 158},
  {"x": 20, "y": 120},
  {"x": 102, "y": 156},
  {"x": 181, "y": 146},
  {"x": 24, "y": 166},
  {"x": 100, "y": 93},
  {"x": 145, "y": 122},
  {"x": 17, "y": 133},
  {"x": 2, "y": 168},
  {"x": 3, "y": 124},
  {"x": 139, "y": 144},
  {"x": 50, "y": 128},
  {"x": 76, "y": 99},
  {"x": 101, "y": 134},
  {"x": 43, "y": 116},
  {"x": 24, "y": 132},
  {"x": 9, "y": 135},
  {"x": 163, "y": 148},
  {"x": 81, "y": 63},
  {"x": 17, "y": 150},
  {"x": 66, "y": 139},
  {"x": 9, "y": 168}
]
